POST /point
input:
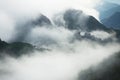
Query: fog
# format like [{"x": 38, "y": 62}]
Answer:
[
  {"x": 17, "y": 12},
  {"x": 69, "y": 50},
  {"x": 6, "y": 26},
  {"x": 66, "y": 58},
  {"x": 57, "y": 64}
]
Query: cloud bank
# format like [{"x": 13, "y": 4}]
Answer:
[
  {"x": 57, "y": 64},
  {"x": 70, "y": 51}
]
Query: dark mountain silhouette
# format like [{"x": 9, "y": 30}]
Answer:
[
  {"x": 76, "y": 19},
  {"x": 92, "y": 23},
  {"x": 17, "y": 49},
  {"x": 106, "y": 9},
  {"x": 113, "y": 21},
  {"x": 117, "y": 34},
  {"x": 24, "y": 29},
  {"x": 72, "y": 20},
  {"x": 109, "y": 16},
  {"x": 107, "y": 70},
  {"x": 42, "y": 21}
]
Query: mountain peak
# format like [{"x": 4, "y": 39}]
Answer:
[
  {"x": 76, "y": 19},
  {"x": 42, "y": 20}
]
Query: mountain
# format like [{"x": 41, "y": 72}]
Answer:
[
  {"x": 76, "y": 19},
  {"x": 24, "y": 29},
  {"x": 42, "y": 20},
  {"x": 105, "y": 5},
  {"x": 110, "y": 71},
  {"x": 113, "y": 21},
  {"x": 71, "y": 19},
  {"x": 15, "y": 49},
  {"x": 117, "y": 34},
  {"x": 94, "y": 24},
  {"x": 110, "y": 16},
  {"x": 106, "y": 9}
]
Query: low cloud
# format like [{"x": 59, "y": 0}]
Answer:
[
  {"x": 7, "y": 26},
  {"x": 71, "y": 51},
  {"x": 58, "y": 63}
]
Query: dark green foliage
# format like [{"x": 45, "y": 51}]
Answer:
[
  {"x": 107, "y": 70},
  {"x": 15, "y": 49}
]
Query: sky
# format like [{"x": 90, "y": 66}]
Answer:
[{"x": 48, "y": 7}]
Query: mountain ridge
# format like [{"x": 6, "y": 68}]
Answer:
[{"x": 113, "y": 21}]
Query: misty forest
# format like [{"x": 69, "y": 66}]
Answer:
[{"x": 59, "y": 40}]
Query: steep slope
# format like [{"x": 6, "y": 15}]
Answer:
[
  {"x": 24, "y": 29},
  {"x": 106, "y": 9},
  {"x": 107, "y": 70},
  {"x": 75, "y": 19},
  {"x": 113, "y": 21},
  {"x": 42, "y": 20}
]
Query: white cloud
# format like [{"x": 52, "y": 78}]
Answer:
[
  {"x": 13, "y": 11},
  {"x": 6, "y": 26},
  {"x": 62, "y": 62},
  {"x": 47, "y": 7},
  {"x": 49, "y": 35},
  {"x": 57, "y": 64},
  {"x": 102, "y": 35}
]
